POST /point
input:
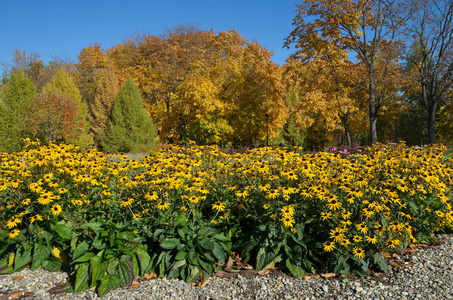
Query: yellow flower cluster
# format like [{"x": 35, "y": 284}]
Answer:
[{"x": 358, "y": 202}]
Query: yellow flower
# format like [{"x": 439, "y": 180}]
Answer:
[
  {"x": 266, "y": 206},
  {"x": 194, "y": 199},
  {"x": 336, "y": 235},
  {"x": 329, "y": 246},
  {"x": 219, "y": 206},
  {"x": 294, "y": 230},
  {"x": 56, "y": 209},
  {"x": 357, "y": 238},
  {"x": 77, "y": 202},
  {"x": 264, "y": 187},
  {"x": 45, "y": 198},
  {"x": 127, "y": 202},
  {"x": 362, "y": 227},
  {"x": 358, "y": 252},
  {"x": 287, "y": 211},
  {"x": 326, "y": 215},
  {"x": 371, "y": 239},
  {"x": 272, "y": 194},
  {"x": 163, "y": 205},
  {"x": 333, "y": 204},
  {"x": 243, "y": 194},
  {"x": 288, "y": 222},
  {"x": 14, "y": 233},
  {"x": 26, "y": 201},
  {"x": 213, "y": 222},
  {"x": 13, "y": 222},
  {"x": 151, "y": 197}
]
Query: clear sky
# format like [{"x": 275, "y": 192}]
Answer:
[{"x": 62, "y": 28}]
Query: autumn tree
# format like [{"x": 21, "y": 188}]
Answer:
[
  {"x": 100, "y": 108},
  {"x": 130, "y": 128},
  {"x": 198, "y": 85},
  {"x": 326, "y": 28},
  {"x": 431, "y": 60},
  {"x": 71, "y": 122},
  {"x": 15, "y": 99}
]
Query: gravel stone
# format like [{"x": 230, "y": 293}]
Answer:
[{"x": 428, "y": 274}]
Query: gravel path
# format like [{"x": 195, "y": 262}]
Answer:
[{"x": 428, "y": 274}]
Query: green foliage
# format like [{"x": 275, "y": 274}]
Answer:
[
  {"x": 130, "y": 128},
  {"x": 189, "y": 250},
  {"x": 14, "y": 104}
]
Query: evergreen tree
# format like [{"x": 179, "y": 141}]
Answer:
[
  {"x": 130, "y": 128},
  {"x": 14, "y": 104}
]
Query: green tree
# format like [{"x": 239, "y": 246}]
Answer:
[
  {"x": 14, "y": 102},
  {"x": 130, "y": 128}
]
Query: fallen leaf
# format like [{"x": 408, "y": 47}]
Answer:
[
  {"x": 306, "y": 277},
  {"x": 263, "y": 272},
  {"x": 396, "y": 265},
  {"x": 16, "y": 294},
  {"x": 17, "y": 277},
  {"x": 230, "y": 263},
  {"x": 204, "y": 283},
  {"x": 328, "y": 275},
  {"x": 219, "y": 274},
  {"x": 150, "y": 275},
  {"x": 134, "y": 285}
]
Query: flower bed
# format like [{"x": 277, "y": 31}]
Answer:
[{"x": 180, "y": 212}]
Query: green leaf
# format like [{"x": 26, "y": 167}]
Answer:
[
  {"x": 296, "y": 271},
  {"x": 170, "y": 243},
  {"x": 379, "y": 260},
  {"x": 112, "y": 265},
  {"x": 219, "y": 253},
  {"x": 174, "y": 273},
  {"x": 108, "y": 283},
  {"x": 221, "y": 238},
  {"x": 95, "y": 227},
  {"x": 207, "y": 267},
  {"x": 52, "y": 264},
  {"x": 82, "y": 278},
  {"x": 96, "y": 269},
  {"x": 143, "y": 258},
  {"x": 178, "y": 264},
  {"x": 63, "y": 231},
  {"x": 86, "y": 257},
  {"x": 192, "y": 256},
  {"x": 157, "y": 233},
  {"x": 40, "y": 254},
  {"x": 80, "y": 250},
  {"x": 124, "y": 270},
  {"x": 264, "y": 258},
  {"x": 182, "y": 232},
  {"x": 7, "y": 270},
  {"x": 207, "y": 244},
  {"x": 194, "y": 273},
  {"x": 181, "y": 255},
  {"x": 22, "y": 259},
  {"x": 206, "y": 231}
]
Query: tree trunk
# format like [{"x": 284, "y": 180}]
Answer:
[
  {"x": 347, "y": 131},
  {"x": 431, "y": 124},
  {"x": 373, "y": 117}
]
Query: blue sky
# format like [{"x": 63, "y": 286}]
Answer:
[{"x": 62, "y": 28}]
